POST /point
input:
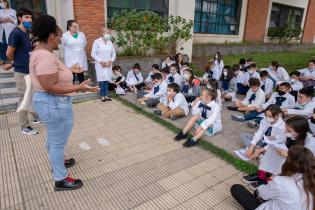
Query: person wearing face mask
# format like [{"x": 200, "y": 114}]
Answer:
[
  {"x": 74, "y": 43},
  {"x": 230, "y": 93},
  {"x": 168, "y": 61},
  {"x": 174, "y": 76},
  {"x": 266, "y": 84},
  {"x": 157, "y": 93},
  {"x": 305, "y": 103},
  {"x": 271, "y": 128},
  {"x": 206, "y": 117},
  {"x": 104, "y": 54},
  {"x": 134, "y": 79},
  {"x": 8, "y": 22},
  {"x": 308, "y": 74},
  {"x": 311, "y": 122},
  {"x": 190, "y": 86},
  {"x": 218, "y": 66},
  {"x": 52, "y": 100},
  {"x": 213, "y": 84},
  {"x": 277, "y": 73},
  {"x": 209, "y": 69},
  {"x": 295, "y": 83},
  {"x": 149, "y": 81},
  {"x": 18, "y": 52},
  {"x": 251, "y": 73},
  {"x": 174, "y": 105}
]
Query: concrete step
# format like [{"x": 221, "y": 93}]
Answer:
[
  {"x": 7, "y": 83},
  {"x": 8, "y": 93},
  {"x": 6, "y": 74},
  {"x": 9, "y": 104}
]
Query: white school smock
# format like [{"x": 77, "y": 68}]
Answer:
[
  {"x": 268, "y": 86},
  {"x": 289, "y": 103},
  {"x": 312, "y": 126},
  {"x": 279, "y": 75},
  {"x": 103, "y": 51},
  {"x": 284, "y": 193},
  {"x": 310, "y": 142},
  {"x": 258, "y": 101},
  {"x": 304, "y": 110},
  {"x": 160, "y": 94},
  {"x": 307, "y": 72},
  {"x": 218, "y": 100},
  {"x": 115, "y": 77},
  {"x": 240, "y": 78},
  {"x": 249, "y": 76},
  {"x": 178, "y": 79},
  {"x": 7, "y": 27},
  {"x": 131, "y": 79},
  {"x": 213, "y": 116},
  {"x": 179, "y": 101},
  {"x": 149, "y": 78},
  {"x": 74, "y": 50},
  {"x": 217, "y": 69},
  {"x": 297, "y": 85}
]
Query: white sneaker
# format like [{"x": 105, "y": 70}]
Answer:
[{"x": 29, "y": 130}]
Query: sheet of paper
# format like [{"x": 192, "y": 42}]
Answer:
[{"x": 241, "y": 154}]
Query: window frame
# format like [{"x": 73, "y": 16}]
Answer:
[{"x": 283, "y": 7}]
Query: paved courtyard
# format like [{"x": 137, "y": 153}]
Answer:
[{"x": 126, "y": 161}]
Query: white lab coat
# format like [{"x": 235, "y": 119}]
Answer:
[
  {"x": 289, "y": 103},
  {"x": 248, "y": 76},
  {"x": 7, "y": 27},
  {"x": 268, "y": 86},
  {"x": 312, "y": 126},
  {"x": 217, "y": 70},
  {"x": 213, "y": 116},
  {"x": 259, "y": 100},
  {"x": 103, "y": 51},
  {"x": 280, "y": 75},
  {"x": 131, "y": 80},
  {"x": 297, "y": 85},
  {"x": 284, "y": 193},
  {"x": 305, "y": 110},
  {"x": 178, "y": 79},
  {"x": 160, "y": 94},
  {"x": 307, "y": 73},
  {"x": 74, "y": 52},
  {"x": 179, "y": 101}
]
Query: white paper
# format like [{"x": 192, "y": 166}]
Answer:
[
  {"x": 103, "y": 142},
  {"x": 85, "y": 146},
  {"x": 241, "y": 154}
]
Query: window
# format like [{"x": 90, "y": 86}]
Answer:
[
  {"x": 283, "y": 15},
  {"x": 35, "y": 5},
  {"x": 158, "y": 6},
  {"x": 217, "y": 16}
]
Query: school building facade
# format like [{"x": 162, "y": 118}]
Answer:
[{"x": 215, "y": 21}]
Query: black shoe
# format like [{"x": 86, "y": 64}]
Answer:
[
  {"x": 68, "y": 184},
  {"x": 157, "y": 112},
  {"x": 248, "y": 179},
  {"x": 180, "y": 136},
  {"x": 232, "y": 108},
  {"x": 69, "y": 162},
  {"x": 103, "y": 99},
  {"x": 108, "y": 99},
  {"x": 190, "y": 143},
  {"x": 255, "y": 185}
]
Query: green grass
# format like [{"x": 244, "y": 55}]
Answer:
[{"x": 237, "y": 163}]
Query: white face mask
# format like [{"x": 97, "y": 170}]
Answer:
[
  {"x": 186, "y": 76},
  {"x": 251, "y": 71},
  {"x": 269, "y": 119},
  {"x": 107, "y": 36},
  {"x": 293, "y": 81},
  {"x": 225, "y": 73},
  {"x": 209, "y": 86},
  {"x": 2, "y": 5}
]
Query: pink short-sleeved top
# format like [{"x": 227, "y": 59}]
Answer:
[{"x": 44, "y": 62}]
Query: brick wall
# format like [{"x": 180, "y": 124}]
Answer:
[
  {"x": 91, "y": 18},
  {"x": 256, "y": 18},
  {"x": 309, "y": 26}
]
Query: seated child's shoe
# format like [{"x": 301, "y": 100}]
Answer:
[
  {"x": 157, "y": 112},
  {"x": 190, "y": 143},
  {"x": 232, "y": 108},
  {"x": 238, "y": 118},
  {"x": 180, "y": 136},
  {"x": 252, "y": 124},
  {"x": 251, "y": 178},
  {"x": 173, "y": 117}
]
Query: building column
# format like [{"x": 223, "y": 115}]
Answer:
[
  {"x": 91, "y": 18},
  {"x": 256, "y": 20},
  {"x": 309, "y": 29}
]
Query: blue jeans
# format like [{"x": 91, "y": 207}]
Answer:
[
  {"x": 104, "y": 88},
  {"x": 57, "y": 115},
  {"x": 3, "y": 48},
  {"x": 252, "y": 115}
]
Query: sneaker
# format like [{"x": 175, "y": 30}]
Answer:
[
  {"x": 180, "y": 136},
  {"x": 108, "y": 99},
  {"x": 69, "y": 162},
  {"x": 173, "y": 117},
  {"x": 157, "y": 112},
  {"x": 29, "y": 130},
  {"x": 37, "y": 121},
  {"x": 248, "y": 179},
  {"x": 238, "y": 118},
  {"x": 190, "y": 143},
  {"x": 68, "y": 184},
  {"x": 232, "y": 108},
  {"x": 252, "y": 124},
  {"x": 255, "y": 185}
]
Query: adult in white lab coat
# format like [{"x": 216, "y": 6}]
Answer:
[
  {"x": 74, "y": 43},
  {"x": 104, "y": 54},
  {"x": 8, "y": 22},
  {"x": 292, "y": 189}
]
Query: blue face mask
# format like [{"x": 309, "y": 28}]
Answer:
[{"x": 27, "y": 24}]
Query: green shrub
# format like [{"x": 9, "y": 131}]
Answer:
[{"x": 284, "y": 34}]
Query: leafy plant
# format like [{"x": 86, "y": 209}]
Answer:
[
  {"x": 139, "y": 31},
  {"x": 284, "y": 34}
]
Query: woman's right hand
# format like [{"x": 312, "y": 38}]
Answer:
[
  {"x": 75, "y": 68},
  {"x": 250, "y": 150},
  {"x": 85, "y": 86}
]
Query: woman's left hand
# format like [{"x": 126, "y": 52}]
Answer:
[
  {"x": 109, "y": 63},
  {"x": 85, "y": 86}
]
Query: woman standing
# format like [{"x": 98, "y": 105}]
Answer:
[
  {"x": 52, "y": 100},
  {"x": 104, "y": 54},
  {"x": 8, "y": 22},
  {"x": 218, "y": 66},
  {"x": 74, "y": 43}
]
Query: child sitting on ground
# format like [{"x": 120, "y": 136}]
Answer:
[
  {"x": 174, "y": 105},
  {"x": 190, "y": 86},
  {"x": 158, "y": 91},
  {"x": 255, "y": 98},
  {"x": 209, "y": 67},
  {"x": 134, "y": 79},
  {"x": 230, "y": 93},
  {"x": 213, "y": 84},
  {"x": 207, "y": 114},
  {"x": 149, "y": 81},
  {"x": 251, "y": 73},
  {"x": 266, "y": 84},
  {"x": 174, "y": 76},
  {"x": 296, "y": 85},
  {"x": 118, "y": 79}
]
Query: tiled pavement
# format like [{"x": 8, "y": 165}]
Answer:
[{"x": 126, "y": 161}]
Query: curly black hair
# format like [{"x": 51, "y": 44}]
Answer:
[{"x": 43, "y": 26}]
